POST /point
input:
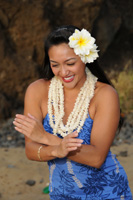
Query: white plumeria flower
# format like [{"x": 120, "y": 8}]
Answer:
[
  {"x": 93, "y": 55},
  {"x": 83, "y": 44}
]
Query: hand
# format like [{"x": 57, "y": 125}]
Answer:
[
  {"x": 68, "y": 143},
  {"x": 30, "y": 127}
]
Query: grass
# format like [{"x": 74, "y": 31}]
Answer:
[{"x": 124, "y": 86}]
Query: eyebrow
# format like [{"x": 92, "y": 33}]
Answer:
[
  {"x": 65, "y": 60},
  {"x": 70, "y": 59},
  {"x": 53, "y": 61}
]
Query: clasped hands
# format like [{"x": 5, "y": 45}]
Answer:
[{"x": 34, "y": 130}]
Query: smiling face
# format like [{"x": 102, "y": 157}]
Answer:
[{"x": 67, "y": 66}]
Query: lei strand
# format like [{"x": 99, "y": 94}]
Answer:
[{"x": 77, "y": 117}]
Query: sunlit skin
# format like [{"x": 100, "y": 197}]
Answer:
[{"x": 104, "y": 110}]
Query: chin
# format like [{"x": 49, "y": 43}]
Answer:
[{"x": 69, "y": 85}]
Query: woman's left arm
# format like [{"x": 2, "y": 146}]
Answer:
[{"x": 105, "y": 124}]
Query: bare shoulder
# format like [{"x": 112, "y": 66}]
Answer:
[
  {"x": 106, "y": 92},
  {"x": 36, "y": 98},
  {"x": 38, "y": 85},
  {"x": 107, "y": 104},
  {"x": 38, "y": 88},
  {"x": 37, "y": 92},
  {"x": 107, "y": 99}
]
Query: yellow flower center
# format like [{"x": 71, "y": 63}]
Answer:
[{"x": 81, "y": 42}]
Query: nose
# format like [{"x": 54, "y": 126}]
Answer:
[{"x": 64, "y": 71}]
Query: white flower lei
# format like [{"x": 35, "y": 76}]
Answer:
[
  {"x": 77, "y": 117},
  {"x": 84, "y": 45}
]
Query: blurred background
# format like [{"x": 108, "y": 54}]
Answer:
[{"x": 24, "y": 25}]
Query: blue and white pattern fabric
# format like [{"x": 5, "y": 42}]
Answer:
[{"x": 70, "y": 180}]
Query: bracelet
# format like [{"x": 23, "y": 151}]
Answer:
[{"x": 38, "y": 153}]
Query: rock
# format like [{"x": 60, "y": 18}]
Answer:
[
  {"x": 6, "y": 150},
  {"x": 41, "y": 181},
  {"x": 30, "y": 182},
  {"x": 125, "y": 135},
  {"x": 63, "y": 11},
  {"x": 11, "y": 166},
  {"x": 123, "y": 153},
  {"x": 22, "y": 34},
  {"x": 14, "y": 80},
  {"x": 9, "y": 137},
  {"x": 103, "y": 32},
  {"x": 4, "y": 107},
  {"x": 112, "y": 16},
  {"x": 4, "y": 19},
  {"x": 23, "y": 31},
  {"x": 2, "y": 47}
]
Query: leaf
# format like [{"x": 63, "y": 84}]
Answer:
[{"x": 114, "y": 190}]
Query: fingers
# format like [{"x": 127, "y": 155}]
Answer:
[
  {"x": 26, "y": 130},
  {"x": 20, "y": 122},
  {"x": 63, "y": 150},
  {"x": 73, "y": 134},
  {"x": 23, "y": 124},
  {"x": 29, "y": 126},
  {"x": 72, "y": 138},
  {"x": 20, "y": 130},
  {"x": 68, "y": 144},
  {"x": 20, "y": 127},
  {"x": 72, "y": 149},
  {"x": 32, "y": 117},
  {"x": 23, "y": 118},
  {"x": 77, "y": 144},
  {"x": 71, "y": 143}
]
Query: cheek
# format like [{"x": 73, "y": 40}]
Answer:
[
  {"x": 54, "y": 70},
  {"x": 80, "y": 69}
]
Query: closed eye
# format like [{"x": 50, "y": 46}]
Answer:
[
  {"x": 54, "y": 65},
  {"x": 70, "y": 64}
]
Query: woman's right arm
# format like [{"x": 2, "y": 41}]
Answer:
[
  {"x": 32, "y": 128},
  {"x": 32, "y": 104}
]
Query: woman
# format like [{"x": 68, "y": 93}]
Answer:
[{"x": 80, "y": 114}]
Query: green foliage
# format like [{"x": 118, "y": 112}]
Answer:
[{"x": 124, "y": 87}]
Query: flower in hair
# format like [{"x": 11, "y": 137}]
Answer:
[{"x": 84, "y": 45}]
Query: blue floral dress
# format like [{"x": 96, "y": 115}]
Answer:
[{"x": 70, "y": 180}]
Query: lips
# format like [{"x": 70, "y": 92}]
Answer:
[{"x": 68, "y": 79}]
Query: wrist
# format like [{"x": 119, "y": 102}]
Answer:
[
  {"x": 45, "y": 139},
  {"x": 54, "y": 151},
  {"x": 51, "y": 139}
]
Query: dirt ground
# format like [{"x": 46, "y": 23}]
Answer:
[{"x": 16, "y": 169}]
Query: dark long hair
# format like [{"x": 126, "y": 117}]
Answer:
[{"x": 61, "y": 35}]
